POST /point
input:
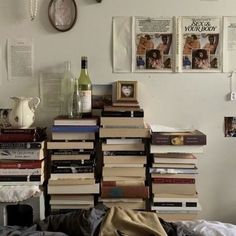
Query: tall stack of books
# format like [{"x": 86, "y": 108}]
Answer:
[
  {"x": 124, "y": 134},
  {"x": 173, "y": 172},
  {"x": 22, "y": 166},
  {"x": 72, "y": 184}
]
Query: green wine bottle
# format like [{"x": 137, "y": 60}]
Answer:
[{"x": 85, "y": 88}]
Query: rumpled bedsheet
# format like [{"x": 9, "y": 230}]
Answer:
[{"x": 209, "y": 228}]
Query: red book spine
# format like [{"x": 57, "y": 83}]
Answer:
[
  {"x": 27, "y": 137},
  {"x": 173, "y": 180},
  {"x": 109, "y": 183},
  {"x": 20, "y": 165},
  {"x": 124, "y": 192}
]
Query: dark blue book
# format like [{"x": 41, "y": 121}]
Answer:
[{"x": 72, "y": 128}]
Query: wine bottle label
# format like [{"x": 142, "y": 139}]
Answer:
[{"x": 86, "y": 100}]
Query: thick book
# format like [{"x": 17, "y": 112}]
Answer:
[
  {"x": 175, "y": 188},
  {"x": 124, "y": 153},
  {"x": 21, "y": 145},
  {"x": 57, "y": 176},
  {"x": 64, "y": 170},
  {"x": 123, "y": 147},
  {"x": 29, "y": 172},
  {"x": 23, "y": 135},
  {"x": 71, "y": 163},
  {"x": 124, "y": 171},
  {"x": 71, "y": 199},
  {"x": 119, "y": 159},
  {"x": 64, "y": 120},
  {"x": 123, "y": 140},
  {"x": 74, "y": 189},
  {"x": 122, "y": 121},
  {"x": 180, "y": 158},
  {"x": 73, "y": 136},
  {"x": 75, "y": 128},
  {"x": 122, "y": 113},
  {"x": 195, "y": 137},
  {"x": 19, "y": 178},
  {"x": 173, "y": 170},
  {"x": 70, "y": 157},
  {"x": 124, "y": 133},
  {"x": 70, "y": 145},
  {"x": 114, "y": 183},
  {"x": 20, "y": 164},
  {"x": 163, "y": 180},
  {"x": 176, "y": 148},
  {"x": 62, "y": 182},
  {"x": 21, "y": 154},
  {"x": 124, "y": 192}
]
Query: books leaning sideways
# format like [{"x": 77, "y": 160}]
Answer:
[
  {"x": 174, "y": 170},
  {"x": 22, "y": 156},
  {"x": 72, "y": 183}
]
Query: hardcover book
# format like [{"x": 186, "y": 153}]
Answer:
[
  {"x": 75, "y": 128},
  {"x": 124, "y": 192},
  {"x": 63, "y": 120},
  {"x": 195, "y": 137}
]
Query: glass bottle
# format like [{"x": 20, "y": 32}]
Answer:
[
  {"x": 85, "y": 88},
  {"x": 77, "y": 108},
  {"x": 67, "y": 91}
]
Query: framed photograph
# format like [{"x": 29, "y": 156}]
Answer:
[
  {"x": 230, "y": 126},
  {"x": 126, "y": 90}
]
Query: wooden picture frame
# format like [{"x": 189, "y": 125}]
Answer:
[{"x": 126, "y": 90}]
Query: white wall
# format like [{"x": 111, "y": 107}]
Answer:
[{"x": 191, "y": 99}]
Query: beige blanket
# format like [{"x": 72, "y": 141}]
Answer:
[{"x": 125, "y": 222}]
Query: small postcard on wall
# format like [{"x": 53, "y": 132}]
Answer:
[{"x": 230, "y": 126}]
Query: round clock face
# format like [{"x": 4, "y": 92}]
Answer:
[
  {"x": 62, "y": 14},
  {"x": 127, "y": 91}
]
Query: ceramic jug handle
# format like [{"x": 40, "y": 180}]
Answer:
[{"x": 35, "y": 102}]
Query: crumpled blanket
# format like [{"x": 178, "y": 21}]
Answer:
[
  {"x": 84, "y": 222},
  {"x": 18, "y": 193},
  {"x": 26, "y": 231},
  {"x": 126, "y": 222}
]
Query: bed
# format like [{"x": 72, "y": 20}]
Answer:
[{"x": 116, "y": 221}]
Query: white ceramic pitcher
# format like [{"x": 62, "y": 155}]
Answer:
[{"x": 22, "y": 114}]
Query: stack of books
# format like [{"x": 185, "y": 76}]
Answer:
[
  {"x": 23, "y": 171},
  {"x": 124, "y": 134},
  {"x": 22, "y": 156},
  {"x": 173, "y": 172},
  {"x": 72, "y": 183}
]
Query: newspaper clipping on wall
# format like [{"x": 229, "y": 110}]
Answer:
[
  {"x": 152, "y": 44},
  {"x": 200, "y": 44}
]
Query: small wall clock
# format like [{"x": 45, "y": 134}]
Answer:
[{"x": 62, "y": 14}]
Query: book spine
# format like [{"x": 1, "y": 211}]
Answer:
[
  {"x": 122, "y": 114},
  {"x": 21, "y": 165},
  {"x": 16, "y": 178},
  {"x": 17, "y": 131},
  {"x": 36, "y": 171},
  {"x": 70, "y": 152},
  {"x": 24, "y": 137},
  {"x": 73, "y": 162},
  {"x": 73, "y": 170},
  {"x": 71, "y": 128},
  {"x": 124, "y": 153},
  {"x": 21, "y": 145},
  {"x": 159, "y": 139},
  {"x": 24, "y": 154},
  {"x": 124, "y": 192},
  {"x": 173, "y": 180}
]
